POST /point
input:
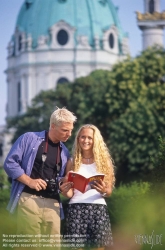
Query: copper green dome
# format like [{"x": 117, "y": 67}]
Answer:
[{"x": 90, "y": 18}]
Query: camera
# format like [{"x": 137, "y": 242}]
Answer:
[{"x": 52, "y": 186}]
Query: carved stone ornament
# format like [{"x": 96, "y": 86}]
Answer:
[{"x": 149, "y": 16}]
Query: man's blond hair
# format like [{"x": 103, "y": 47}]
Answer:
[{"x": 62, "y": 115}]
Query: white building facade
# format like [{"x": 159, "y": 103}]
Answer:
[{"x": 57, "y": 41}]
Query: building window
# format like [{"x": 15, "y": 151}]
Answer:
[
  {"x": 19, "y": 42},
  {"x": 103, "y": 2},
  {"x": 28, "y": 3},
  {"x": 111, "y": 41},
  {"x": 151, "y": 6},
  {"x": 62, "y": 1},
  {"x": 62, "y": 80},
  {"x": 13, "y": 52},
  {"x": 19, "y": 97},
  {"x": 62, "y": 37}
]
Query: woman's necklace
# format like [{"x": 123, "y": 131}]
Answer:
[{"x": 88, "y": 159}]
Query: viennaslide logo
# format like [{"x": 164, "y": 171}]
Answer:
[{"x": 150, "y": 239}]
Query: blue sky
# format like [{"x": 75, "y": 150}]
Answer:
[{"x": 8, "y": 14}]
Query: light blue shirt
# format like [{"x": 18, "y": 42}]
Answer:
[{"x": 20, "y": 161}]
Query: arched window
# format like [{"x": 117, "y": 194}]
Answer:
[
  {"x": 62, "y": 80},
  {"x": 111, "y": 41},
  {"x": 62, "y": 37},
  {"x": 19, "y": 97},
  {"x": 151, "y": 6}
]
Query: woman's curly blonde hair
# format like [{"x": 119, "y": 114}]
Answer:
[{"x": 102, "y": 157}]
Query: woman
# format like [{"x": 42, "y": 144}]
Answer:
[{"x": 87, "y": 221}]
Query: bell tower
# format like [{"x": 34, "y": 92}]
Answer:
[
  {"x": 151, "y": 23},
  {"x": 151, "y": 6}
]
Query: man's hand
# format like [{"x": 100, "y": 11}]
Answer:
[{"x": 37, "y": 184}]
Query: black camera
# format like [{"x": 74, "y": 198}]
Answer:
[{"x": 52, "y": 186}]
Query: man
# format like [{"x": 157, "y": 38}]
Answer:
[{"x": 35, "y": 163}]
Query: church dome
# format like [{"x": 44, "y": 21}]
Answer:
[
  {"x": 90, "y": 19},
  {"x": 57, "y": 41}
]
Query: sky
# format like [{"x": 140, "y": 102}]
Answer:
[{"x": 8, "y": 14}]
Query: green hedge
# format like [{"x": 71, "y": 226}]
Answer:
[{"x": 137, "y": 215}]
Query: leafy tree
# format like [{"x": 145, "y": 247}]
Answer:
[
  {"x": 133, "y": 138},
  {"x": 158, "y": 173},
  {"x": 127, "y": 104}
]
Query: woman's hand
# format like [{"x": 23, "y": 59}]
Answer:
[
  {"x": 65, "y": 186},
  {"x": 65, "y": 178},
  {"x": 102, "y": 188}
]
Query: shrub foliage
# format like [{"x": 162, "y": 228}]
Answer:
[{"x": 127, "y": 104}]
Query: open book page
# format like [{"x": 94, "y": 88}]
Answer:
[{"x": 81, "y": 181}]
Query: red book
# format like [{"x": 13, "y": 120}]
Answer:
[{"x": 80, "y": 182}]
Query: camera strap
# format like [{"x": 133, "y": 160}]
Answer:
[{"x": 44, "y": 156}]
